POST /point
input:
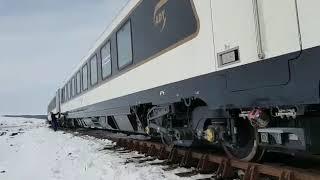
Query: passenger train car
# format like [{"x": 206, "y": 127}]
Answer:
[{"x": 240, "y": 75}]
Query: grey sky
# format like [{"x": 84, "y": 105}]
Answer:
[{"x": 40, "y": 42}]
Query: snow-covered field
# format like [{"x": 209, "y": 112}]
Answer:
[{"x": 29, "y": 150}]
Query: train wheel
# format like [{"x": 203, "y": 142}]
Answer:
[{"x": 246, "y": 148}]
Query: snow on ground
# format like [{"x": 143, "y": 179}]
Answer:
[{"x": 29, "y": 150}]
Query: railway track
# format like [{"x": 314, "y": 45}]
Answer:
[{"x": 201, "y": 162}]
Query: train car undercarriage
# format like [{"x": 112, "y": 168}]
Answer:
[{"x": 242, "y": 133}]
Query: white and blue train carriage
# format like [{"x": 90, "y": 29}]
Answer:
[{"x": 242, "y": 75}]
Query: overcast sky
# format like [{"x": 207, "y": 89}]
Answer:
[{"x": 41, "y": 41}]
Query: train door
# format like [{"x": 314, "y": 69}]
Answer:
[
  {"x": 310, "y": 26},
  {"x": 279, "y": 24},
  {"x": 251, "y": 31},
  {"x": 234, "y": 32}
]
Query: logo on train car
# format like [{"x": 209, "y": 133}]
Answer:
[{"x": 159, "y": 15}]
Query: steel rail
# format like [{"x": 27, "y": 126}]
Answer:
[
  {"x": 205, "y": 162},
  {"x": 221, "y": 165}
]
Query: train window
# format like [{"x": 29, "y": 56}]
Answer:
[
  {"x": 84, "y": 77},
  {"x": 73, "y": 87},
  {"x": 78, "y": 83},
  {"x": 124, "y": 45},
  {"x": 66, "y": 93},
  {"x": 67, "y": 86},
  {"x": 70, "y": 90},
  {"x": 62, "y": 95},
  {"x": 106, "y": 60},
  {"x": 94, "y": 70}
]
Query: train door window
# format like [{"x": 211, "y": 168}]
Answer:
[
  {"x": 106, "y": 60},
  {"x": 124, "y": 46},
  {"x": 78, "y": 83},
  {"x": 93, "y": 70},
  {"x": 85, "y": 78}
]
